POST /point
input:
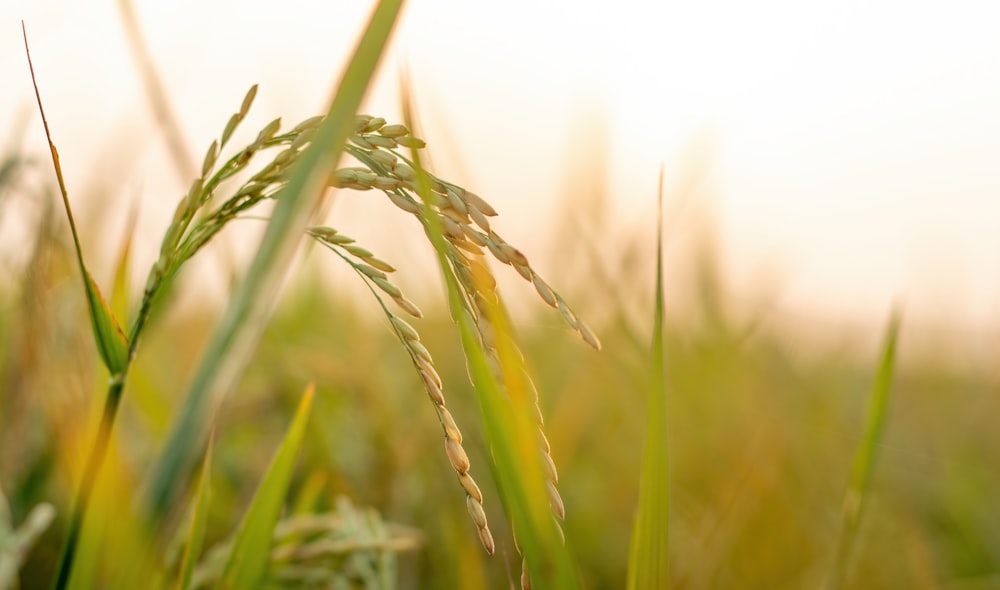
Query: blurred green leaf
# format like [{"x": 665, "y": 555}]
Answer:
[
  {"x": 111, "y": 341},
  {"x": 198, "y": 522},
  {"x": 648, "y": 555},
  {"x": 248, "y": 561},
  {"x": 857, "y": 492}
]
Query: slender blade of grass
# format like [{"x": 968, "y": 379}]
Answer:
[
  {"x": 196, "y": 536},
  {"x": 649, "y": 551},
  {"x": 239, "y": 329},
  {"x": 510, "y": 431},
  {"x": 112, "y": 344},
  {"x": 856, "y": 496},
  {"x": 249, "y": 558}
]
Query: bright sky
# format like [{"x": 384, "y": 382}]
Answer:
[{"x": 852, "y": 148}]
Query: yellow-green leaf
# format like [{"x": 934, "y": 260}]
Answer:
[
  {"x": 248, "y": 560},
  {"x": 111, "y": 341}
]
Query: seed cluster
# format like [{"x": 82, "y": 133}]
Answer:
[
  {"x": 463, "y": 216},
  {"x": 464, "y": 219}
]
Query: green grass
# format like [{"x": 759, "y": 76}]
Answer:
[{"x": 741, "y": 484}]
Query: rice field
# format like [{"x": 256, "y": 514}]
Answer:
[{"x": 562, "y": 419}]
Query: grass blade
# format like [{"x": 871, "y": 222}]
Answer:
[
  {"x": 111, "y": 341},
  {"x": 648, "y": 555},
  {"x": 197, "y": 534},
  {"x": 239, "y": 329},
  {"x": 249, "y": 558},
  {"x": 864, "y": 458}
]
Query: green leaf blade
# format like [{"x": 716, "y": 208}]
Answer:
[
  {"x": 649, "y": 552},
  {"x": 196, "y": 536},
  {"x": 248, "y": 561},
  {"x": 112, "y": 344}
]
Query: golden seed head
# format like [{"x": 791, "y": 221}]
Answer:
[
  {"x": 385, "y": 183},
  {"x": 404, "y": 203},
  {"x": 360, "y": 122},
  {"x": 455, "y": 200},
  {"x": 361, "y": 142},
  {"x": 322, "y": 231},
  {"x": 486, "y": 538},
  {"x": 544, "y": 291},
  {"x": 384, "y": 158},
  {"x": 555, "y": 500},
  {"x": 456, "y": 454},
  {"x": 358, "y": 251},
  {"x": 525, "y": 271},
  {"x": 433, "y": 387},
  {"x": 497, "y": 252},
  {"x": 380, "y": 141},
  {"x": 374, "y": 124},
  {"x": 478, "y": 217},
  {"x": 568, "y": 315},
  {"x": 471, "y": 487},
  {"x": 389, "y": 289},
  {"x": 404, "y": 171},
  {"x": 210, "y": 156},
  {"x": 380, "y": 264},
  {"x": 448, "y": 422},
  {"x": 550, "y": 467},
  {"x": 473, "y": 235},
  {"x": 480, "y": 204},
  {"x": 429, "y": 370},
  {"x": 309, "y": 124},
  {"x": 476, "y": 511},
  {"x": 421, "y": 351},
  {"x": 408, "y": 331},
  {"x": 285, "y": 157},
  {"x": 408, "y": 306},
  {"x": 247, "y": 101},
  {"x": 371, "y": 272},
  {"x": 411, "y": 142},
  {"x": 231, "y": 126},
  {"x": 588, "y": 336},
  {"x": 396, "y": 130},
  {"x": 267, "y": 132}
]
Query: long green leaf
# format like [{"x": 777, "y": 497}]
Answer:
[
  {"x": 239, "y": 329},
  {"x": 198, "y": 521},
  {"x": 249, "y": 558},
  {"x": 857, "y": 492},
  {"x": 648, "y": 555}
]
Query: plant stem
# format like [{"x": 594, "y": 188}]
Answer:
[{"x": 94, "y": 462}]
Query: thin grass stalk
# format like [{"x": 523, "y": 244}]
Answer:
[
  {"x": 238, "y": 330},
  {"x": 859, "y": 486},
  {"x": 649, "y": 552}
]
